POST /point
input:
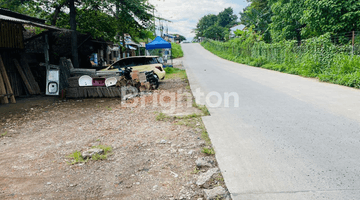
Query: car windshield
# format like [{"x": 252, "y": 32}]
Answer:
[{"x": 135, "y": 61}]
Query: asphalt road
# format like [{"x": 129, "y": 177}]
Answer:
[{"x": 289, "y": 137}]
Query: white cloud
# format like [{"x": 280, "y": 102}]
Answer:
[{"x": 185, "y": 14}]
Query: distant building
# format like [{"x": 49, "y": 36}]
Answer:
[{"x": 234, "y": 28}]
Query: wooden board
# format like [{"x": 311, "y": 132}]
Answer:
[
  {"x": 6, "y": 81},
  {"x": 3, "y": 90},
  {"x": 30, "y": 76},
  {"x": 23, "y": 76}
]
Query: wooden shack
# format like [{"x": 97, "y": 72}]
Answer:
[{"x": 17, "y": 77}]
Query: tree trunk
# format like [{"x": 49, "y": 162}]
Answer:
[
  {"x": 57, "y": 12},
  {"x": 123, "y": 41},
  {"x": 74, "y": 49}
]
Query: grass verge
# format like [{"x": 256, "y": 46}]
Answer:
[{"x": 172, "y": 73}]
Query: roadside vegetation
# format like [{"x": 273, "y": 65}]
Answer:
[
  {"x": 175, "y": 73},
  {"x": 177, "y": 51},
  {"x": 291, "y": 37},
  {"x": 316, "y": 57}
]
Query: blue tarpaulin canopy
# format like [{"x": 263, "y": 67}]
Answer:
[{"x": 158, "y": 43}]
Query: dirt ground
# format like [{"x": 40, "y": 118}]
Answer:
[{"x": 151, "y": 158}]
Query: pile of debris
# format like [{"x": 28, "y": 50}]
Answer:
[{"x": 89, "y": 83}]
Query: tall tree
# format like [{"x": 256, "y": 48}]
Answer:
[
  {"x": 286, "y": 20},
  {"x": 226, "y": 18},
  {"x": 204, "y": 23},
  {"x": 334, "y": 16}
]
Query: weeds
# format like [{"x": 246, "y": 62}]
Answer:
[
  {"x": 172, "y": 73},
  {"x": 4, "y": 134},
  {"x": 196, "y": 170},
  {"x": 208, "y": 151},
  {"x": 203, "y": 108},
  {"x": 315, "y": 57},
  {"x": 161, "y": 117},
  {"x": 77, "y": 158}
]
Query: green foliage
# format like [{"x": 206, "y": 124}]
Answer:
[
  {"x": 77, "y": 158},
  {"x": 175, "y": 73},
  {"x": 208, "y": 151},
  {"x": 215, "y": 32},
  {"x": 316, "y": 57},
  {"x": 176, "y": 50},
  {"x": 203, "y": 108},
  {"x": 278, "y": 20},
  {"x": 334, "y": 16},
  {"x": 286, "y": 20},
  {"x": 226, "y": 18},
  {"x": 107, "y": 151},
  {"x": 216, "y": 26},
  {"x": 105, "y": 19},
  {"x": 4, "y": 134},
  {"x": 161, "y": 116},
  {"x": 204, "y": 23}
]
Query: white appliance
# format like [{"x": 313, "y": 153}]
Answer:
[{"x": 52, "y": 81}]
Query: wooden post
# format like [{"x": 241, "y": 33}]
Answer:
[
  {"x": 23, "y": 76},
  {"x": 3, "y": 91},
  {"x": 6, "y": 81},
  {"x": 353, "y": 42}
]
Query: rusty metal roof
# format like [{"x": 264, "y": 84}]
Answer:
[{"x": 22, "y": 21}]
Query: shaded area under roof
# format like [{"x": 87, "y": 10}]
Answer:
[{"x": 158, "y": 43}]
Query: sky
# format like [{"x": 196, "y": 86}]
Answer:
[{"x": 184, "y": 14}]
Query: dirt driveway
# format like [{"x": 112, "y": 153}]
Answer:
[{"x": 151, "y": 158}]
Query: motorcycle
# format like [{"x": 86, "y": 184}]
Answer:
[{"x": 152, "y": 78}]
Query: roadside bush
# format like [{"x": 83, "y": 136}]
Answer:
[
  {"x": 177, "y": 51},
  {"x": 315, "y": 57}
]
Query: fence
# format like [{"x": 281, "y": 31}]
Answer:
[{"x": 335, "y": 59}]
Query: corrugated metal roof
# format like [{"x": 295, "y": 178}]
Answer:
[{"x": 16, "y": 20}]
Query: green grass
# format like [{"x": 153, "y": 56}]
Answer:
[
  {"x": 208, "y": 151},
  {"x": 161, "y": 117},
  {"x": 176, "y": 50},
  {"x": 4, "y": 134},
  {"x": 172, "y": 73},
  {"x": 317, "y": 58},
  {"x": 77, "y": 157},
  {"x": 203, "y": 108}
]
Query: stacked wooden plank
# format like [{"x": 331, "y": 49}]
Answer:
[
  {"x": 11, "y": 35},
  {"x": 5, "y": 86},
  {"x": 93, "y": 92}
]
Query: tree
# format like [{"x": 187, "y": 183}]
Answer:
[
  {"x": 226, "y": 18},
  {"x": 204, "y": 23},
  {"x": 105, "y": 19},
  {"x": 215, "y": 32},
  {"x": 180, "y": 38},
  {"x": 286, "y": 20},
  {"x": 334, "y": 16},
  {"x": 258, "y": 17}
]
